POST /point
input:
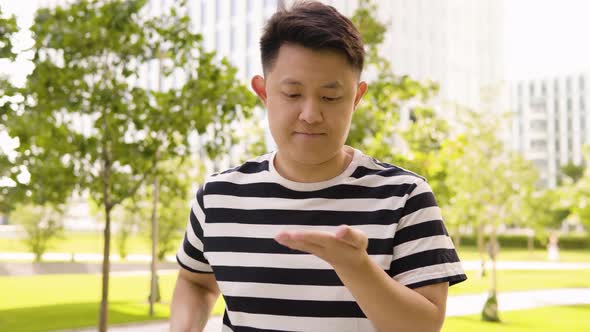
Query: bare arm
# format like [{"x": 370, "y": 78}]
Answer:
[
  {"x": 193, "y": 299},
  {"x": 392, "y": 306},
  {"x": 389, "y": 305}
]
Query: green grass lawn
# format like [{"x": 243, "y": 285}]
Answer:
[
  {"x": 515, "y": 280},
  {"x": 545, "y": 319},
  {"x": 81, "y": 243},
  {"x": 72, "y": 301},
  {"x": 580, "y": 255}
]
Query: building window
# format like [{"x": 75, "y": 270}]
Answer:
[
  {"x": 247, "y": 39},
  {"x": 218, "y": 10},
  {"x": 203, "y": 12},
  {"x": 556, "y": 87},
  {"x": 532, "y": 89},
  {"x": 539, "y": 125},
  {"x": 538, "y": 145},
  {"x": 544, "y": 89},
  {"x": 569, "y": 104},
  {"x": 519, "y": 90},
  {"x": 232, "y": 39},
  {"x": 568, "y": 85},
  {"x": 251, "y": 35},
  {"x": 234, "y": 8},
  {"x": 582, "y": 83},
  {"x": 218, "y": 40}
]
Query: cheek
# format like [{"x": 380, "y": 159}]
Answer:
[{"x": 281, "y": 113}]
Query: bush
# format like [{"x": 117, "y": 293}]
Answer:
[
  {"x": 41, "y": 223},
  {"x": 576, "y": 241}
]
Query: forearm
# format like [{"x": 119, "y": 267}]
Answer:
[
  {"x": 389, "y": 305},
  {"x": 191, "y": 306}
]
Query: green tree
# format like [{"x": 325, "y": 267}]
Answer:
[
  {"x": 42, "y": 225},
  {"x": 8, "y": 28},
  {"x": 376, "y": 125},
  {"x": 376, "y": 121},
  {"x": 87, "y": 124},
  {"x": 488, "y": 184},
  {"x": 580, "y": 193},
  {"x": 572, "y": 171}
]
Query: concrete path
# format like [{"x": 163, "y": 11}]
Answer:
[
  {"x": 461, "y": 305},
  {"x": 527, "y": 265},
  {"x": 458, "y": 305},
  {"x": 21, "y": 264}
]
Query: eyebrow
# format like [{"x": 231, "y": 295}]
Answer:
[{"x": 331, "y": 85}]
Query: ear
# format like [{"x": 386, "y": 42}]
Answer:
[
  {"x": 259, "y": 87},
  {"x": 360, "y": 92}
]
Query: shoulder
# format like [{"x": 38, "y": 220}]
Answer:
[
  {"x": 369, "y": 167},
  {"x": 252, "y": 170}
]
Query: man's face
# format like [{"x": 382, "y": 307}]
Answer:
[{"x": 310, "y": 96}]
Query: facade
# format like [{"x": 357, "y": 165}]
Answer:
[
  {"x": 551, "y": 122},
  {"x": 457, "y": 43},
  {"x": 232, "y": 28}
]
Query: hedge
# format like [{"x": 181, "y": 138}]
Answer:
[{"x": 521, "y": 241}]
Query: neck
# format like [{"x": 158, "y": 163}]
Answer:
[{"x": 301, "y": 172}]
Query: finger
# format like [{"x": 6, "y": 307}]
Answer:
[
  {"x": 353, "y": 237},
  {"x": 323, "y": 239},
  {"x": 288, "y": 240}
]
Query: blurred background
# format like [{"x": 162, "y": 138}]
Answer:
[{"x": 113, "y": 112}]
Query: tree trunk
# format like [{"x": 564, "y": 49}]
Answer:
[
  {"x": 457, "y": 238},
  {"x": 154, "y": 294},
  {"x": 106, "y": 192},
  {"x": 481, "y": 248},
  {"x": 104, "y": 304},
  {"x": 490, "y": 309}
]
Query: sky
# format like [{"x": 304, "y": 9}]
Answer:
[{"x": 546, "y": 37}]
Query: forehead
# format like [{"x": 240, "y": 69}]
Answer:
[{"x": 298, "y": 64}]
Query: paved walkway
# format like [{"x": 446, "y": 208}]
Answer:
[
  {"x": 21, "y": 264},
  {"x": 458, "y": 305},
  {"x": 526, "y": 265}
]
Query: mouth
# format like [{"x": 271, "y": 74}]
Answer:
[{"x": 309, "y": 134}]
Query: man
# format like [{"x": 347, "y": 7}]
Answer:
[{"x": 315, "y": 236}]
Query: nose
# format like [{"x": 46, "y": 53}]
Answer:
[{"x": 311, "y": 112}]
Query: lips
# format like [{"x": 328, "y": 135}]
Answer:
[{"x": 309, "y": 133}]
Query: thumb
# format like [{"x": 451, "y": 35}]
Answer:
[{"x": 352, "y": 236}]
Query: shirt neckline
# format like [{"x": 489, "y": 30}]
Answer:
[{"x": 309, "y": 186}]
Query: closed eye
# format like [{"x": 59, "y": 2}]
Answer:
[
  {"x": 292, "y": 95},
  {"x": 331, "y": 99}
]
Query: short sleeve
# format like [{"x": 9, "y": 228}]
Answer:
[
  {"x": 190, "y": 255},
  {"x": 423, "y": 252}
]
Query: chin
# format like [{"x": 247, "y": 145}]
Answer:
[{"x": 312, "y": 156}]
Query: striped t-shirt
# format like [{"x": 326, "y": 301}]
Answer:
[{"x": 269, "y": 287}]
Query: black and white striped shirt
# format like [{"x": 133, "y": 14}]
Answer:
[{"x": 269, "y": 287}]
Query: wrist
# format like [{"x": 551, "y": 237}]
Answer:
[{"x": 359, "y": 265}]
